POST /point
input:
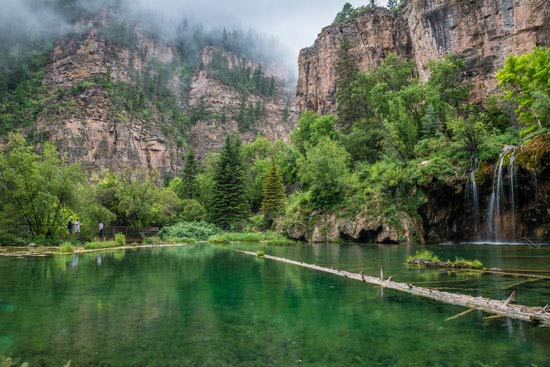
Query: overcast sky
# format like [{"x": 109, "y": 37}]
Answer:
[{"x": 295, "y": 23}]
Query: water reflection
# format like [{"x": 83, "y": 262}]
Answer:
[{"x": 205, "y": 305}]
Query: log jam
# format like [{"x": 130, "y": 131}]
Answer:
[{"x": 504, "y": 308}]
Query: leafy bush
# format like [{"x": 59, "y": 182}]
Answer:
[
  {"x": 100, "y": 244},
  {"x": 271, "y": 238},
  {"x": 152, "y": 240},
  {"x": 66, "y": 248},
  {"x": 8, "y": 239},
  {"x": 120, "y": 239},
  {"x": 464, "y": 263},
  {"x": 175, "y": 240},
  {"x": 260, "y": 253},
  {"x": 423, "y": 255},
  {"x": 200, "y": 231},
  {"x": 192, "y": 211}
]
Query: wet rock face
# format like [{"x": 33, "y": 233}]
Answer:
[
  {"x": 448, "y": 215},
  {"x": 483, "y": 32}
]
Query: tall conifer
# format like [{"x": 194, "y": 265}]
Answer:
[
  {"x": 190, "y": 170},
  {"x": 229, "y": 206},
  {"x": 273, "y": 193}
]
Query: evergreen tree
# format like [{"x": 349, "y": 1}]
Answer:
[
  {"x": 273, "y": 193},
  {"x": 190, "y": 171},
  {"x": 229, "y": 207},
  {"x": 348, "y": 105}
]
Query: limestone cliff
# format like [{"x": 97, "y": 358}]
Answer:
[
  {"x": 117, "y": 99},
  {"x": 224, "y": 107},
  {"x": 482, "y": 32},
  {"x": 82, "y": 119}
]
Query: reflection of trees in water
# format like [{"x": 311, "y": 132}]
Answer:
[{"x": 204, "y": 305}]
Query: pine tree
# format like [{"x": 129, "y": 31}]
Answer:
[
  {"x": 189, "y": 186},
  {"x": 348, "y": 106},
  {"x": 229, "y": 206},
  {"x": 273, "y": 201}
]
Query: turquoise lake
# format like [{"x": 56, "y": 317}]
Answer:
[{"x": 205, "y": 305}]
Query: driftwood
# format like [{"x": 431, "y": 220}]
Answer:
[{"x": 503, "y": 308}]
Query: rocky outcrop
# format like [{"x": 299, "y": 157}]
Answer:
[
  {"x": 483, "y": 32},
  {"x": 82, "y": 119},
  {"x": 222, "y": 104},
  {"x": 371, "y": 37},
  {"x": 363, "y": 228},
  {"x": 99, "y": 127}
]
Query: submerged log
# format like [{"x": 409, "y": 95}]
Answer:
[{"x": 496, "y": 307}]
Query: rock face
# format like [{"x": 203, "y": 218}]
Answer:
[
  {"x": 82, "y": 120},
  {"x": 483, "y": 32},
  {"x": 363, "y": 228},
  {"x": 222, "y": 104},
  {"x": 94, "y": 124},
  {"x": 371, "y": 37}
]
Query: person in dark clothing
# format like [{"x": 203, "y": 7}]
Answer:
[
  {"x": 70, "y": 226},
  {"x": 101, "y": 227}
]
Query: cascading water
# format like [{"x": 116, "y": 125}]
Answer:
[
  {"x": 495, "y": 208},
  {"x": 511, "y": 170},
  {"x": 472, "y": 200}
]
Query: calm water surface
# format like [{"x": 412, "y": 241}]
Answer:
[{"x": 208, "y": 306}]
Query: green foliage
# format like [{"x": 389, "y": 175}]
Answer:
[
  {"x": 260, "y": 253},
  {"x": 312, "y": 128},
  {"x": 197, "y": 230},
  {"x": 428, "y": 256},
  {"x": 192, "y": 211},
  {"x": 268, "y": 237},
  {"x": 66, "y": 248},
  {"x": 22, "y": 95},
  {"x": 324, "y": 172},
  {"x": 120, "y": 239},
  {"x": 349, "y": 13},
  {"x": 37, "y": 190},
  {"x": 466, "y": 264},
  {"x": 229, "y": 206},
  {"x": 349, "y": 107},
  {"x": 525, "y": 80},
  {"x": 188, "y": 176},
  {"x": 96, "y": 245},
  {"x": 273, "y": 193},
  {"x": 241, "y": 77},
  {"x": 135, "y": 200},
  {"x": 423, "y": 255},
  {"x": 152, "y": 240}
]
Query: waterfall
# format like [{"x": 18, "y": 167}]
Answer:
[
  {"x": 511, "y": 170},
  {"x": 497, "y": 200},
  {"x": 472, "y": 199}
]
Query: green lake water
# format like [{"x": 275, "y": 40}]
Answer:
[{"x": 209, "y": 306}]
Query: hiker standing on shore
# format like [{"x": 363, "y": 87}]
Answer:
[
  {"x": 77, "y": 227},
  {"x": 101, "y": 227},
  {"x": 70, "y": 226}
]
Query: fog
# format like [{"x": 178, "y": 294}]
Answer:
[{"x": 294, "y": 23}]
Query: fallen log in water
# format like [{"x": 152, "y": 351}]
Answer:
[{"x": 503, "y": 308}]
